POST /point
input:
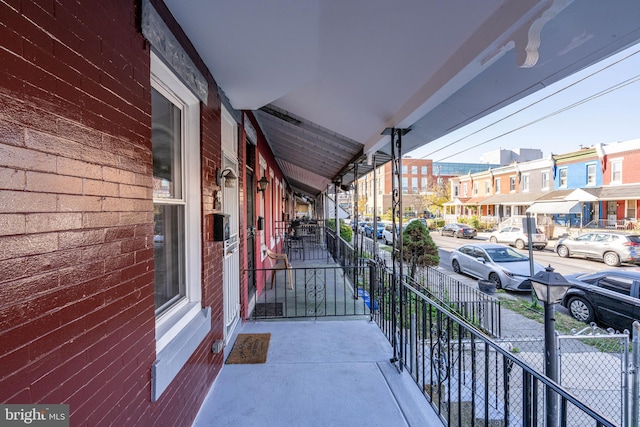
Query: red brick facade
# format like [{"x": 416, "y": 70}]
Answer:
[{"x": 77, "y": 322}]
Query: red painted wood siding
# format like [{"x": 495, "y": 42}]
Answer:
[{"x": 77, "y": 319}]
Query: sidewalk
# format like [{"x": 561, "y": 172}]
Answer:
[{"x": 318, "y": 373}]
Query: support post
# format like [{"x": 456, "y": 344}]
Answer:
[
  {"x": 635, "y": 386},
  {"x": 551, "y": 363}
]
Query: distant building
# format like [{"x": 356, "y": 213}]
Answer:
[
  {"x": 504, "y": 157},
  {"x": 418, "y": 177}
]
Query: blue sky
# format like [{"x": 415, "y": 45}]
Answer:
[{"x": 611, "y": 117}]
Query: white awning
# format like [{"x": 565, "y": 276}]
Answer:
[{"x": 564, "y": 207}]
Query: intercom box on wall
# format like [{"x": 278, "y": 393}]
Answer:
[
  {"x": 260, "y": 223},
  {"x": 221, "y": 227}
]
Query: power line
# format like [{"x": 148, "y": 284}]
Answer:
[
  {"x": 610, "y": 89},
  {"x": 555, "y": 113}
]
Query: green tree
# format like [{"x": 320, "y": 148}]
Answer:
[
  {"x": 438, "y": 195},
  {"x": 418, "y": 249},
  {"x": 362, "y": 206}
]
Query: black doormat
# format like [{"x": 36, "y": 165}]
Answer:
[{"x": 268, "y": 309}]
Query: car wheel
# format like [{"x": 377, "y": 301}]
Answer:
[
  {"x": 611, "y": 259},
  {"x": 493, "y": 239},
  {"x": 456, "y": 266},
  {"x": 455, "y": 235},
  {"x": 496, "y": 279},
  {"x": 562, "y": 251},
  {"x": 581, "y": 309},
  {"x": 519, "y": 244}
]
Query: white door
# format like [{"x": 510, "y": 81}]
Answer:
[{"x": 231, "y": 263}]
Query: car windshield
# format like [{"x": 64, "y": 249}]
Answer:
[{"x": 505, "y": 255}]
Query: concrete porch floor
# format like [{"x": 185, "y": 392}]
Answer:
[{"x": 318, "y": 373}]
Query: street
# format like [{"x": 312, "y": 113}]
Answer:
[{"x": 544, "y": 257}]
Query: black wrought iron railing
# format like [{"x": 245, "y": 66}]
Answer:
[
  {"x": 438, "y": 334},
  {"x": 312, "y": 292},
  {"x": 467, "y": 377}
]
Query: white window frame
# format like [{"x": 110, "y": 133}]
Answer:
[
  {"x": 616, "y": 168},
  {"x": 512, "y": 184},
  {"x": 565, "y": 172},
  {"x": 497, "y": 190},
  {"x": 181, "y": 328},
  {"x": 525, "y": 182},
  {"x": 487, "y": 187},
  {"x": 591, "y": 173},
  {"x": 545, "y": 180}
]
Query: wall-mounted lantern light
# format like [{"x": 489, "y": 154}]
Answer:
[
  {"x": 262, "y": 184},
  {"x": 229, "y": 176}
]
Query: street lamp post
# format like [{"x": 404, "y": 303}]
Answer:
[{"x": 550, "y": 288}]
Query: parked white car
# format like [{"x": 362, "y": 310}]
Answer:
[
  {"x": 515, "y": 236},
  {"x": 387, "y": 234}
]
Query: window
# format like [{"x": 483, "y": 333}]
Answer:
[
  {"x": 456, "y": 190},
  {"x": 497, "y": 185},
  {"x": 424, "y": 170},
  {"x": 181, "y": 323},
  {"x": 475, "y": 188},
  {"x": 405, "y": 170},
  {"x": 545, "y": 180},
  {"x": 616, "y": 171},
  {"x": 465, "y": 189},
  {"x": 424, "y": 185},
  {"x": 414, "y": 170},
  {"x": 562, "y": 178},
  {"x": 414, "y": 185},
  {"x": 487, "y": 187},
  {"x": 175, "y": 192},
  {"x": 591, "y": 174},
  {"x": 631, "y": 208},
  {"x": 525, "y": 182},
  {"x": 512, "y": 183},
  {"x": 405, "y": 184}
]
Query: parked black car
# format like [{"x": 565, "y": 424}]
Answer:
[
  {"x": 610, "y": 297},
  {"x": 458, "y": 230}
]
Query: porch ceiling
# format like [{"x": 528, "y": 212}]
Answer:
[{"x": 344, "y": 71}]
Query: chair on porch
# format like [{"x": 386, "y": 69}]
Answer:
[{"x": 279, "y": 262}]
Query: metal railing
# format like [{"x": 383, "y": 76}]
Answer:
[
  {"x": 613, "y": 224},
  {"x": 316, "y": 292},
  {"x": 477, "y": 307},
  {"x": 468, "y": 378}
]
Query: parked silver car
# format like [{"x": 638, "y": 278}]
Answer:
[
  {"x": 608, "y": 246},
  {"x": 516, "y": 236},
  {"x": 505, "y": 266}
]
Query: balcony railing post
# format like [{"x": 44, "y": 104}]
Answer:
[{"x": 635, "y": 386}]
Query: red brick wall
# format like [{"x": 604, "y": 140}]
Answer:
[{"x": 76, "y": 221}]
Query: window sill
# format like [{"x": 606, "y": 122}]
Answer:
[{"x": 178, "y": 346}]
